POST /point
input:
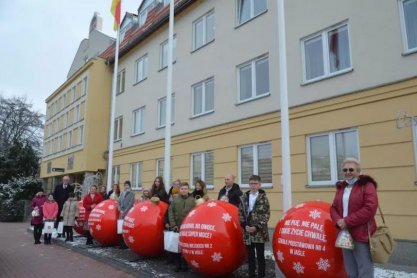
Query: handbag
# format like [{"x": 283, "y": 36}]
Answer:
[
  {"x": 171, "y": 241},
  {"x": 60, "y": 229},
  {"x": 35, "y": 212},
  {"x": 381, "y": 243},
  {"x": 48, "y": 227},
  {"x": 344, "y": 240}
]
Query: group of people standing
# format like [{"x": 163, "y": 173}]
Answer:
[{"x": 354, "y": 208}]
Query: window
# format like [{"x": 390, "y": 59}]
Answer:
[
  {"x": 64, "y": 100},
  {"x": 121, "y": 82},
  {"x": 253, "y": 79},
  {"x": 52, "y": 147},
  {"x": 248, "y": 9},
  {"x": 160, "y": 168},
  {"x": 136, "y": 175},
  {"x": 256, "y": 160},
  {"x": 326, "y": 153},
  {"x": 203, "y": 30},
  {"x": 203, "y": 97},
  {"x": 116, "y": 174},
  {"x": 202, "y": 168},
  {"x": 118, "y": 129},
  {"x": 80, "y": 135},
  {"x": 67, "y": 119},
  {"x": 73, "y": 94},
  {"x": 141, "y": 68},
  {"x": 59, "y": 143},
  {"x": 77, "y": 114},
  {"x": 69, "y": 139},
  {"x": 138, "y": 121},
  {"x": 164, "y": 53},
  {"x": 409, "y": 24},
  {"x": 162, "y": 111},
  {"x": 327, "y": 53},
  {"x": 85, "y": 86}
]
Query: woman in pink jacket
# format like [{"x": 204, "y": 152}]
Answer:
[
  {"x": 354, "y": 208},
  {"x": 50, "y": 212}
]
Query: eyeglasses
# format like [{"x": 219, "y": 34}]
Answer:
[{"x": 350, "y": 170}]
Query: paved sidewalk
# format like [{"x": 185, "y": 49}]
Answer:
[
  {"x": 129, "y": 262},
  {"x": 20, "y": 258}
]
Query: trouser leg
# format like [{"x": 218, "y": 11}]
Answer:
[
  {"x": 260, "y": 256},
  {"x": 363, "y": 259},
  {"x": 251, "y": 259},
  {"x": 350, "y": 263}
]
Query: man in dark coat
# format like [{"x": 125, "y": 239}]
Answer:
[
  {"x": 61, "y": 194},
  {"x": 231, "y": 191}
]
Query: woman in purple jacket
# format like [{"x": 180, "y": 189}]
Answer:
[
  {"x": 354, "y": 208},
  {"x": 37, "y": 215}
]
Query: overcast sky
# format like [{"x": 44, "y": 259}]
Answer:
[{"x": 39, "y": 39}]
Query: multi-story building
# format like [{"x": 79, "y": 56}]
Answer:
[
  {"x": 352, "y": 86},
  {"x": 77, "y": 116}
]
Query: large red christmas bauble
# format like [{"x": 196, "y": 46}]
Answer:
[
  {"x": 79, "y": 224},
  {"x": 103, "y": 223},
  {"x": 211, "y": 239},
  {"x": 143, "y": 228},
  {"x": 303, "y": 242}
]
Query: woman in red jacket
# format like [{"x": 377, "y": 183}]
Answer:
[
  {"x": 354, "y": 208},
  {"x": 50, "y": 212},
  {"x": 90, "y": 201}
]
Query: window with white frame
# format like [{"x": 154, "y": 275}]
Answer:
[
  {"x": 202, "y": 168},
  {"x": 59, "y": 143},
  {"x": 408, "y": 12},
  {"x": 52, "y": 146},
  {"x": 85, "y": 85},
  {"x": 160, "y": 167},
  {"x": 162, "y": 111},
  {"x": 326, "y": 152},
  {"x": 141, "y": 68},
  {"x": 248, "y": 9},
  {"x": 203, "y": 30},
  {"x": 138, "y": 121},
  {"x": 121, "y": 82},
  {"x": 203, "y": 97},
  {"x": 164, "y": 52},
  {"x": 80, "y": 135},
  {"x": 116, "y": 174},
  {"x": 73, "y": 94},
  {"x": 118, "y": 129},
  {"x": 326, "y": 53},
  {"x": 136, "y": 175},
  {"x": 67, "y": 119},
  {"x": 253, "y": 79},
  {"x": 77, "y": 113},
  {"x": 69, "y": 139},
  {"x": 255, "y": 160}
]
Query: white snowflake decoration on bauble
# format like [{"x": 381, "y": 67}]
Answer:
[
  {"x": 217, "y": 257},
  {"x": 298, "y": 267},
  {"x": 315, "y": 214},
  {"x": 211, "y": 204},
  {"x": 111, "y": 207},
  {"x": 280, "y": 256},
  {"x": 144, "y": 208},
  {"x": 131, "y": 239},
  {"x": 98, "y": 227},
  {"x": 323, "y": 264},
  {"x": 226, "y": 217},
  {"x": 195, "y": 264}
]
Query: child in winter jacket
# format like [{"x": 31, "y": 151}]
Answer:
[
  {"x": 69, "y": 214},
  {"x": 50, "y": 212}
]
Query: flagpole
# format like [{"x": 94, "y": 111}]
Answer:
[
  {"x": 285, "y": 125},
  {"x": 112, "y": 113},
  {"x": 167, "y": 156}
]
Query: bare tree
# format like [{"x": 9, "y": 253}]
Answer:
[{"x": 20, "y": 123}]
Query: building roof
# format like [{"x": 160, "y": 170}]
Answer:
[{"x": 156, "y": 18}]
